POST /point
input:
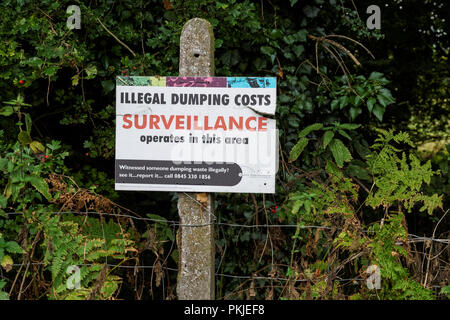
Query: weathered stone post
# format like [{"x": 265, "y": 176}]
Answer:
[{"x": 196, "y": 244}]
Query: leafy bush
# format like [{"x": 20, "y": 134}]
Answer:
[{"x": 350, "y": 190}]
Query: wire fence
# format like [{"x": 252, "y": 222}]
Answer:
[{"x": 412, "y": 238}]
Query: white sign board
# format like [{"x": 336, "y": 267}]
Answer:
[{"x": 196, "y": 134}]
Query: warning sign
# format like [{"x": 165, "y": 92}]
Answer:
[{"x": 196, "y": 134}]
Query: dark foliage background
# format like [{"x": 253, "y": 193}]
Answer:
[{"x": 397, "y": 78}]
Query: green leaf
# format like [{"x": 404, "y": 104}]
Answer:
[
  {"x": 375, "y": 76},
  {"x": 24, "y": 137},
  {"x": 108, "y": 85},
  {"x": 3, "y": 201},
  {"x": 8, "y": 190},
  {"x": 298, "y": 50},
  {"x": 296, "y": 206},
  {"x": 218, "y": 43},
  {"x": 6, "y": 261},
  {"x": 13, "y": 247},
  {"x": 276, "y": 34},
  {"x": 349, "y": 126},
  {"x": 327, "y": 138},
  {"x": 311, "y": 12},
  {"x": 386, "y": 94},
  {"x": 28, "y": 122},
  {"x": 3, "y": 163},
  {"x": 75, "y": 80},
  {"x": 91, "y": 71},
  {"x": 370, "y": 103},
  {"x": 445, "y": 290},
  {"x": 308, "y": 129},
  {"x": 343, "y": 102},
  {"x": 40, "y": 185},
  {"x": 334, "y": 104},
  {"x": 385, "y": 99},
  {"x": 293, "y": 2},
  {"x": 356, "y": 101},
  {"x": 359, "y": 172},
  {"x": 297, "y": 149},
  {"x": 6, "y": 111},
  {"x": 50, "y": 70},
  {"x": 354, "y": 112},
  {"x": 267, "y": 50},
  {"x": 344, "y": 134},
  {"x": 340, "y": 152},
  {"x": 378, "y": 111},
  {"x": 333, "y": 169},
  {"x": 35, "y": 62},
  {"x": 37, "y": 147},
  {"x": 301, "y": 35}
]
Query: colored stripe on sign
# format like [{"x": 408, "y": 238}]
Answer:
[
  {"x": 207, "y": 82},
  {"x": 141, "y": 81},
  {"x": 251, "y": 82},
  {"x": 220, "y": 82}
]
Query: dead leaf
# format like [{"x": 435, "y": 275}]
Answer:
[
  {"x": 202, "y": 197},
  {"x": 252, "y": 289},
  {"x": 168, "y": 5}
]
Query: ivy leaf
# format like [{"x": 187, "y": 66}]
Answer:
[
  {"x": 308, "y": 129},
  {"x": 298, "y": 50},
  {"x": 297, "y": 149},
  {"x": 327, "y": 138},
  {"x": 301, "y": 35},
  {"x": 340, "y": 152},
  {"x": 311, "y": 12},
  {"x": 267, "y": 50},
  {"x": 107, "y": 85}
]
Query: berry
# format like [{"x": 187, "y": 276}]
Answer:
[
  {"x": 21, "y": 81},
  {"x": 47, "y": 156},
  {"x": 87, "y": 154},
  {"x": 134, "y": 68}
]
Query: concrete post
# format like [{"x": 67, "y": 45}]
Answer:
[{"x": 196, "y": 244}]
